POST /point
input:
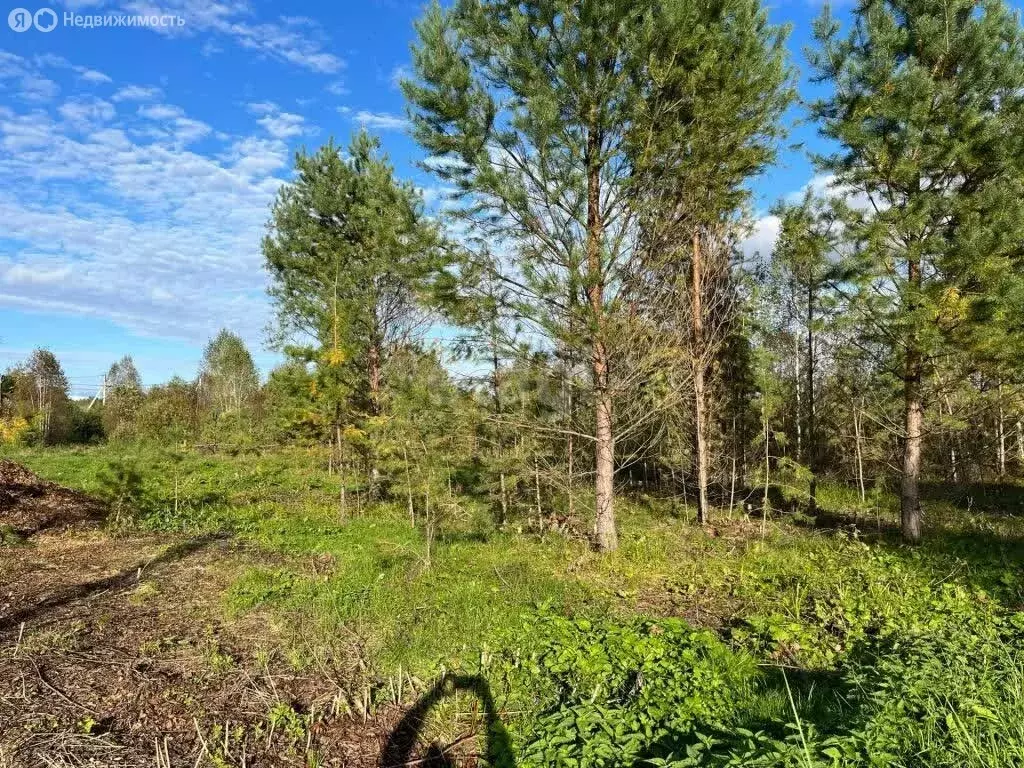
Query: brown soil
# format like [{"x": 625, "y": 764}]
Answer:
[{"x": 116, "y": 651}]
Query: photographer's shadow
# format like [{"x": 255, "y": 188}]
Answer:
[{"x": 402, "y": 741}]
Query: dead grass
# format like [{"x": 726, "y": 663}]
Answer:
[{"x": 115, "y": 651}]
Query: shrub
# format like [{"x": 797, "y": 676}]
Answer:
[{"x": 607, "y": 693}]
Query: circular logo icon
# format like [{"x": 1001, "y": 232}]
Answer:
[
  {"x": 45, "y": 20},
  {"x": 20, "y": 20}
]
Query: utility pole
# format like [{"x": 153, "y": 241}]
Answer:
[{"x": 102, "y": 391}]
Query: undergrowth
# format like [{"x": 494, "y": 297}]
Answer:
[{"x": 742, "y": 646}]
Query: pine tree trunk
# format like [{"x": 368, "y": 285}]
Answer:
[
  {"x": 953, "y": 462},
  {"x": 732, "y": 483},
  {"x": 910, "y": 498},
  {"x": 536, "y": 490},
  {"x": 607, "y": 537},
  {"x": 571, "y": 442},
  {"x": 860, "y": 454},
  {"x": 504, "y": 498},
  {"x": 408, "y": 486},
  {"x": 699, "y": 385},
  {"x": 812, "y": 441},
  {"x": 341, "y": 472},
  {"x": 767, "y": 467},
  {"x": 798, "y": 416}
]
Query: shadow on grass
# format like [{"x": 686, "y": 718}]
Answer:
[
  {"x": 820, "y": 697},
  {"x": 1003, "y": 499},
  {"x": 402, "y": 742},
  {"x": 120, "y": 580},
  {"x": 979, "y": 544}
]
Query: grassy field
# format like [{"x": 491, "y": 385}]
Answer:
[{"x": 746, "y": 643}]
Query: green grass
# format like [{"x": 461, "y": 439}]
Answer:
[{"x": 827, "y": 648}]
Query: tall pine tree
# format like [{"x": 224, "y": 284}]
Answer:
[
  {"x": 926, "y": 108},
  {"x": 531, "y": 110}
]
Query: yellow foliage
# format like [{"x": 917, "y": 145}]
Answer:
[
  {"x": 333, "y": 357},
  {"x": 353, "y": 433},
  {"x": 12, "y": 429},
  {"x": 952, "y": 307}
]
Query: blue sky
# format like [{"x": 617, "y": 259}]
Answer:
[{"x": 137, "y": 165}]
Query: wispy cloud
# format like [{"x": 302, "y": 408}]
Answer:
[
  {"x": 108, "y": 212},
  {"x": 297, "y": 42},
  {"x": 284, "y": 125},
  {"x": 59, "y": 62},
  {"x": 161, "y": 111},
  {"x": 382, "y": 121},
  {"x": 280, "y": 125},
  {"x": 24, "y": 80},
  {"x": 137, "y": 93},
  {"x": 398, "y": 74},
  {"x": 86, "y": 110}
]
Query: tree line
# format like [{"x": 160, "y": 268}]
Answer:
[
  {"x": 596, "y": 323},
  {"x": 223, "y": 401}
]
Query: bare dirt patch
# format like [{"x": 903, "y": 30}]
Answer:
[{"x": 115, "y": 651}]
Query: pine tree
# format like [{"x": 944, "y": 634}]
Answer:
[
  {"x": 529, "y": 110},
  {"x": 523, "y": 109},
  {"x": 927, "y": 111},
  {"x": 709, "y": 119},
  {"x": 349, "y": 253}
]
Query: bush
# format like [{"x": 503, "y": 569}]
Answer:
[
  {"x": 609, "y": 694},
  {"x": 86, "y": 427},
  {"x": 14, "y": 430}
]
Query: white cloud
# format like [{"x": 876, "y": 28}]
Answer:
[
  {"x": 382, "y": 121},
  {"x": 112, "y": 215},
  {"x": 94, "y": 76},
  {"x": 136, "y": 93},
  {"x": 760, "y": 241},
  {"x": 161, "y": 112},
  {"x": 87, "y": 111},
  {"x": 283, "y": 125},
  {"x": 53, "y": 61},
  {"x": 36, "y": 274},
  {"x": 172, "y": 124},
  {"x": 187, "y": 130},
  {"x": 299, "y": 44},
  {"x": 263, "y": 107},
  {"x": 24, "y": 79},
  {"x": 437, "y": 197},
  {"x": 280, "y": 125},
  {"x": 400, "y": 73}
]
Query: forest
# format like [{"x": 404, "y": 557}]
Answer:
[{"x": 555, "y": 470}]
